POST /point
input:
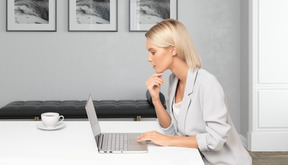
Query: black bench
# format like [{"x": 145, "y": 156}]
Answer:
[
  {"x": 76, "y": 109},
  {"x": 136, "y": 109}
]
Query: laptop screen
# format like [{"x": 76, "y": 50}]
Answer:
[{"x": 90, "y": 109}]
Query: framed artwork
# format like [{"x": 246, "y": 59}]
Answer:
[
  {"x": 31, "y": 15},
  {"x": 93, "y": 15},
  {"x": 146, "y": 13}
]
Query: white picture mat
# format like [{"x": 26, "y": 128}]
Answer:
[
  {"x": 11, "y": 25},
  {"x": 134, "y": 25},
  {"x": 74, "y": 26}
]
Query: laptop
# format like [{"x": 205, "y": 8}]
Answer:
[{"x": 113, "y": 142}]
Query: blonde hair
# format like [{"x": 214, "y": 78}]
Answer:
[{"x": 171, "y": 32}]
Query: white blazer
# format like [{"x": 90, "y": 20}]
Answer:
[{"x": 204, "y": 114}]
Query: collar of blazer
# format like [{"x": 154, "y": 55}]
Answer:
[{"x": 190, "y": 82}]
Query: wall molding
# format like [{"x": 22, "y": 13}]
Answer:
[{"x": 267, "y": 141}]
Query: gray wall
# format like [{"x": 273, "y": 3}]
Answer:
[
  {"x": 215, "y": 30},
  {"x": 70, "y": 65},
  {"x": 244, "y": 111}
]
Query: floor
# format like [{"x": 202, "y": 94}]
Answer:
[{"x": 269, "y": 158}]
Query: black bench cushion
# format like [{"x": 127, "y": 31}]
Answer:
[{"x": 76, "y": 109}]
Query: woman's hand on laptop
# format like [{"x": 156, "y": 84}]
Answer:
[{"x": 155, "y": 137}]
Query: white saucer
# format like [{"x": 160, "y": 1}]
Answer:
[{"x": 41, "y": 126}]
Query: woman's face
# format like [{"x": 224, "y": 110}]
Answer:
[{"x": 160, "y": 58}]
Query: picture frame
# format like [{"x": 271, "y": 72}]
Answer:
[
  {"x": 31, "y": 16},
  {"x": 143, "y": 14},
  {"x": 83, "y": 16}
]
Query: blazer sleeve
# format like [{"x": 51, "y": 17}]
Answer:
[
  {"x": 170, "y": 131},
  {"x": 215, "y": 115}
]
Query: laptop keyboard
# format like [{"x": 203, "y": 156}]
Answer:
[{"x": 115, "y": 142}]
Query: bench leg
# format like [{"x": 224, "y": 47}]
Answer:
[
  {"x": 138, "y": 118},
  {"x": 36, "y": 118}
]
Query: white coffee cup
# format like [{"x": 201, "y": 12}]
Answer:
[{"x": 51, "y": 119}]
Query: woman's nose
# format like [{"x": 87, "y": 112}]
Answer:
[{"x": 149, "y": 58}]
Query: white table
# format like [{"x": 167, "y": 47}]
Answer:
[{"x": 22, "y": 143}]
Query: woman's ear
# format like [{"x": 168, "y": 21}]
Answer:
[{"x": 173, "y": 51}]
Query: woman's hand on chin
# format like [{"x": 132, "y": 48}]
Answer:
[{"x": 153, "y": 84}]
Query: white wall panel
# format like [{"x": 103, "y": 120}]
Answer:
[
  {"x": 268, "y": 126},
  {"x": 273, "y": 108},
  {"x": 273, "y": 39}
]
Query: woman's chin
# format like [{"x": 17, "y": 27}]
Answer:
[{"x": 159, "y": 71}]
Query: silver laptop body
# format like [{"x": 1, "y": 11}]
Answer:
[{"x": 113, "y": 142}]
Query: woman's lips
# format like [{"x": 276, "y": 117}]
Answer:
[{"x": 154, "y": 66}]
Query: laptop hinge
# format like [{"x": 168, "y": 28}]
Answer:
[{"x": 99, "y": 141}]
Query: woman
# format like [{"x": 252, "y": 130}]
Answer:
[{"x": 197, "y": 114}]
